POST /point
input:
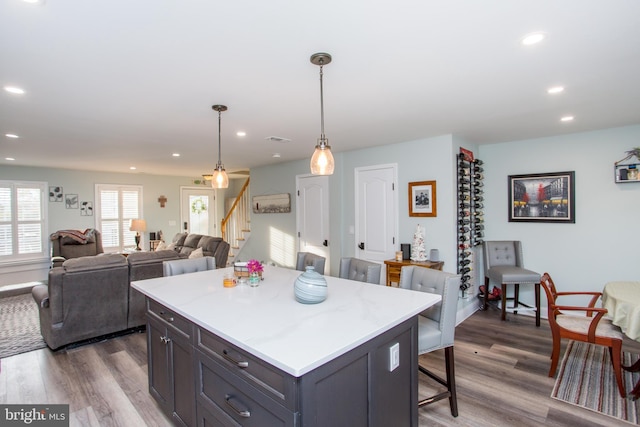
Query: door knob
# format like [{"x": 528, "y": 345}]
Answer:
[{"x": 361, "y": 245}]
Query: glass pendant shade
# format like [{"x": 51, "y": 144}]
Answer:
[
  {"x": 220, "y": 178},
  {"x": 322, "y": 160}
]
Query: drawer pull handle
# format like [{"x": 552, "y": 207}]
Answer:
[
  {"x": 168, "y": 319},
  {"x": 238, "y": 363},
  {"x": 244, "y": 413}
]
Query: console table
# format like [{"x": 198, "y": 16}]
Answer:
[
  {"x": 255, "y": 356},
  {"x": 394, "y": 267}
]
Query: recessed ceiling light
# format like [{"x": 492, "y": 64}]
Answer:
[
  {"x": 11, "y": 159},
  {"x": 555, "y": 89},
  {"x": 132, "y": 168},
  {"x": 566, "y": 118},
  {"x": 176, "y": 154},
  {"x": 11, "y": 135},
  {"x": 15, "y": 90},
  {"x": 533, "y": 38},
  {"x": 241, "y": 133},
  {"x": 34, "y": 1},
  {"x": 276, "y": 155}
]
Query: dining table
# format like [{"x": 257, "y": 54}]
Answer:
[{"x": 622, "y": 301}]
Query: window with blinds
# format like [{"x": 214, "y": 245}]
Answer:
[
  {"x": 23, "y": 220},
  {"x": 116, "y": 206}
]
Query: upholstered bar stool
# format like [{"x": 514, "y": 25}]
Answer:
[
  {"x": 503, "y": 263},
  {"x": 307, "y": 258},
  {"x": 360, "y": 270}
]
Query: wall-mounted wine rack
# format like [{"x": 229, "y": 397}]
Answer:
[{"x": 470, "y": 218}]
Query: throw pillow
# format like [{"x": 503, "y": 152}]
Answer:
[
  {"x": 196, "y": 253},
  {"x": 171, "y": 247},
  {"x": 162, "y": 246}
]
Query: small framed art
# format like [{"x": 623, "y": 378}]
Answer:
[{"x": 422, "y": 198}]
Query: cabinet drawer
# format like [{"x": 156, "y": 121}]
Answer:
[
  {"x": 226, "y": 399},
  {"x": 169, "y": 317},
  {"x": 271, "y": 380}
]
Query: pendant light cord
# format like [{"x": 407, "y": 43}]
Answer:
[
  {"x": 219, "y": 144},
  {"x": 322, "y": 137}
]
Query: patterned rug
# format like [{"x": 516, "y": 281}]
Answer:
[
  {"x": 19, "y": 325},
  {"x": 586, "y": 379}
]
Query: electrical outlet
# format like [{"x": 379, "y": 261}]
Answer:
[{"x": 394, "y": 357}]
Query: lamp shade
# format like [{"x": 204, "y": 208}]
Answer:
[
  {"x": 322, "y": 160},
  {"x": 138, "y": 225},
  {"x": 220, "y": 179}
]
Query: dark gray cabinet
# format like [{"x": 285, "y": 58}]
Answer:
[
  {"x": 232, "y": 387},
  {"x": 170, "y": 359}
]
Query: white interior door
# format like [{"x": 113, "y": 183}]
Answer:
[
  {"x": 376, "y": 212},
  {"x": 312, "y": 208},
  {"x": 198, "y": 210}
]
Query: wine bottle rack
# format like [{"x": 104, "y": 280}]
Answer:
[{"x": 470, "y": 218}]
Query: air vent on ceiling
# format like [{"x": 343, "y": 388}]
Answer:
[{"x": 277, "y": 139}]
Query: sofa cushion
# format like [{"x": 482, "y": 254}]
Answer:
[
  {"x": 192, "y": 240},
  {"x": 179, "y": 239},
  {"x": 196, "y": 253},
  {"x": 94, "y": 262}
]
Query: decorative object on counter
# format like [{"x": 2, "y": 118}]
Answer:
[
  {"x": 406, "y": 250},
  {"x": 434, "y": 255},
  {"x": 244, "y": 269},
  {"x": 255, "y": 272},
  {"x": 418, "y": 252},
  {"x": 310, "y": 287},
  {"x": 229, "y": 280},
  {"x": 422, "y": 199}
]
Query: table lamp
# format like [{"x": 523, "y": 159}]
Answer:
[{"x": 138, "y": 225}]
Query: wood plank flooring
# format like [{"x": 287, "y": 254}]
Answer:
[{"x": 501, "y": 373}]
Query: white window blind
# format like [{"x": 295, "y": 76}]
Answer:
[
  {"x": 22, "y": 220},
  {"x": 117, "y": 205}
]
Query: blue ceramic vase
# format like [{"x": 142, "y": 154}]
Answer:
[{"x": 310, "y": 287}]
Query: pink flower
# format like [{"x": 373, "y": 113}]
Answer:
[{"x": 254, "y": 266}]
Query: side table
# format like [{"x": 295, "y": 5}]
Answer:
[{"x": 394, "y": 267}]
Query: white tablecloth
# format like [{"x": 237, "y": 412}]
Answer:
[{"x": 622, "y": 301}]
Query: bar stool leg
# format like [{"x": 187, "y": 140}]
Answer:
[
  {"x": 516, "y": 297},
  {"x": 504, "y": 301}
]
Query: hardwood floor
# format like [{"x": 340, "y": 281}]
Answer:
[{"x": 501, "y": 373}]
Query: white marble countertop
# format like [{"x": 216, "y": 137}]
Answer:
[{"x": 269, "y": 323}]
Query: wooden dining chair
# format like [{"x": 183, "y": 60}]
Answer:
[{"x": 591, "y": 327}]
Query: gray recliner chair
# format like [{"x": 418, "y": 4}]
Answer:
[
  {"x": 436, "y": 325},
  {"x": 360, "y": 270},
  {"x": 307, "y": 258},
  {"x": 68, "y": 244},
  {"x": 189, "y": 265}
]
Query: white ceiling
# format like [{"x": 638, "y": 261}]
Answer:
[{"x": 117, "y": 83}]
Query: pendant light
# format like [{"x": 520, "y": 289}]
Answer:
[
  {"x": 322, "y": 159},
  {"x": 220, "y": 178}
]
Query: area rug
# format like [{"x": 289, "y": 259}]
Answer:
[
  {"x": 586, "y": 379},
  {"x": 19, "y": 325}
]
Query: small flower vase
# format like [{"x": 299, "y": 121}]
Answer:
[
  {"x": 254, "y": 279},
  {"x": 310, "y": 287}
]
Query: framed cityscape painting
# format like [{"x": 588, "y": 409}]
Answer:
[{"x": 542, "y": 197}]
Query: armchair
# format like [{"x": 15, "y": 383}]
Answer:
[
  {"x": 68, "y": 244},
  {"x": 590, "y": 327}
]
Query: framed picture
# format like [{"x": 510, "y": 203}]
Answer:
[
  {"x": 86, "y": 209},
  {"x": 71, "y": 201},
  {"x": 55, "y": 193},
  {"x": 542, "y": 197},
  {"x": 422, "y": 198}
]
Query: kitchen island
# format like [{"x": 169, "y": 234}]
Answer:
[{"x": 254, "y": 356}]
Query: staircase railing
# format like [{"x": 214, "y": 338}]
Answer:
[{"x": 237, "y": 221}]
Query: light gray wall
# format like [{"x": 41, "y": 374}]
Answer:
[
  {"x": 421, "y": 160},
  {"x": 603, "y": 243},
  {"x": 83, "y": 183}
]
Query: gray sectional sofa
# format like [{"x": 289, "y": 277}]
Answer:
[{"x": 91, "y": 296}]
